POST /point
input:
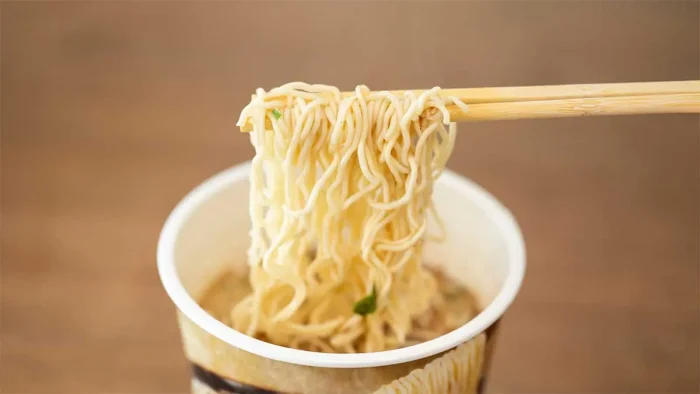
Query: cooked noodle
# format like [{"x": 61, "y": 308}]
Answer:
[{"x": 340, "y": 193}]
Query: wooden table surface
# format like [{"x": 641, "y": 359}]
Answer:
[{"x": 112, "y": 111}]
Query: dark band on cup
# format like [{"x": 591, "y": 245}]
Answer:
[
  {"x": 491, "y": 333},
  {"x": 223, "y": 385}
]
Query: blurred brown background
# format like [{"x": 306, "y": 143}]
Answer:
[{"x": 112, "y": 111}]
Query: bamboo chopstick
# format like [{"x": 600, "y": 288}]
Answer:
[
  {"x": 589, "y": 106},
  {"x": 555, "y": 101},
  {"x": 554, "y": 92}
]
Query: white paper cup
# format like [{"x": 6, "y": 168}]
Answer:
[{"x": 207, "y": 233}]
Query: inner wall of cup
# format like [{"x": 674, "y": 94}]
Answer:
[{"x": 215, "y": 238}]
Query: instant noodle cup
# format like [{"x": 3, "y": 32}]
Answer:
[{"x": 206, "y": 235}]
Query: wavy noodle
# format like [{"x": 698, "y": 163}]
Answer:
[{"x": 340, "y": 194}]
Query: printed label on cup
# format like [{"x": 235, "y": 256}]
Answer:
[{"x": 223, "y": 369}]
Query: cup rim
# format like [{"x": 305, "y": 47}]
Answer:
[{"x": 500, "y": 215}]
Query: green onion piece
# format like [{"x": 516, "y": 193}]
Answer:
[
  {"x": 276, "y": 114},
  {"x": 367, "y": 305}
]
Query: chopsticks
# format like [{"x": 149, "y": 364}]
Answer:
[{"x": 556, "y": 101}]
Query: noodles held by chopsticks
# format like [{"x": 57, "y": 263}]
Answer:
[{"x": 341, "y": 189}]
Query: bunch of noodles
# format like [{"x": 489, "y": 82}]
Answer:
[{"x": 340, "y": 193}]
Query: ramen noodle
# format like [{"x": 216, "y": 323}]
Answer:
[{"x": 340, "y": 196}]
